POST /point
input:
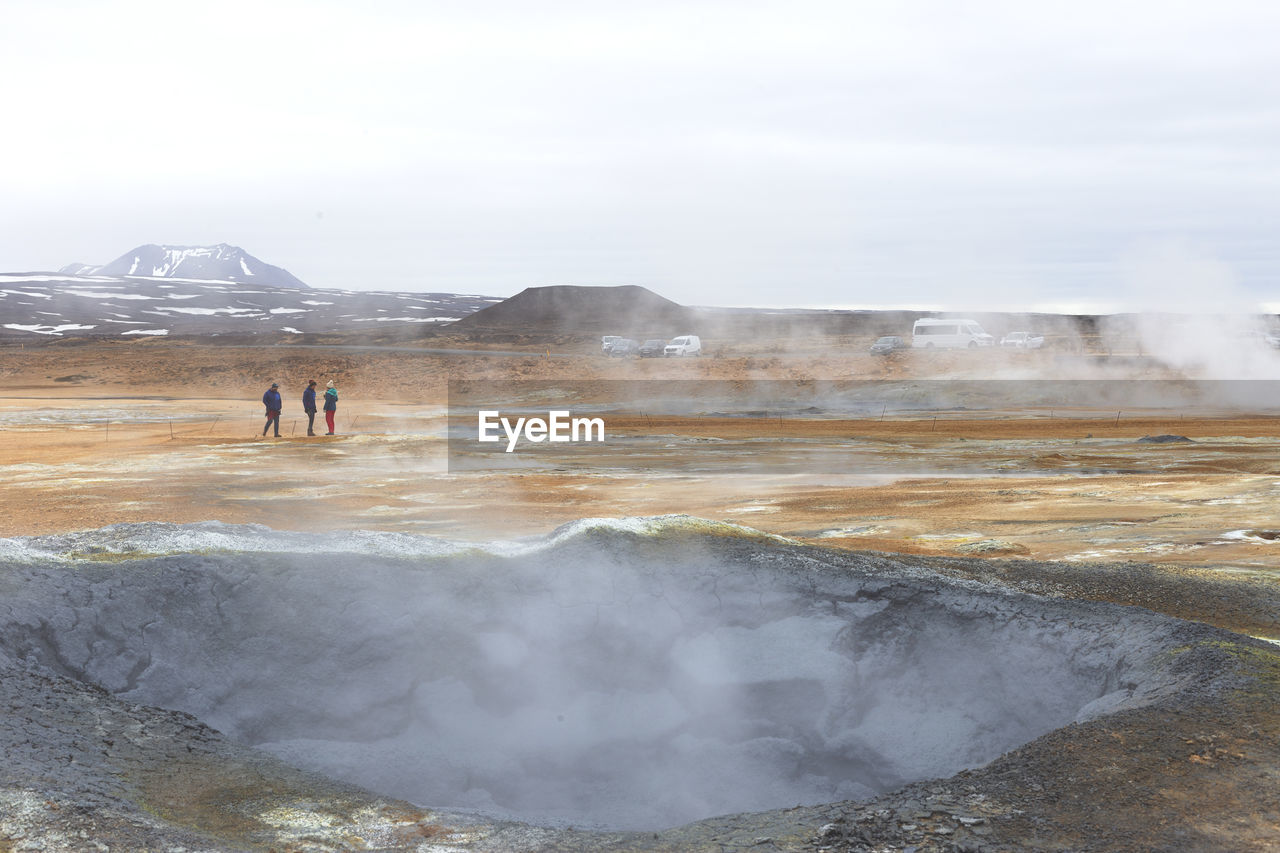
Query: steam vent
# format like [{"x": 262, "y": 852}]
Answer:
[{"x": 616, "y": 686}]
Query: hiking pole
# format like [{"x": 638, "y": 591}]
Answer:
[
  {"x": 171, "y": 429},
  {"x": 214, "y": 424},
  {"x": 293, "y": 428},
  {"x": 353, "y": 422}
]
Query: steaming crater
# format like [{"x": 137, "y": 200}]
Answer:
[{"x": 628, "y": 675}]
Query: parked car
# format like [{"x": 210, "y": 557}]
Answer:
[
  {"x": 1273, "y": 338},
  {"x": 607, "y": 341},
  {"x": 653, "y": 348},
  {"x": 683, "y": 345},
  {"x": 623, "y": 346},
  {"x": 934, "y": 333},
  {"x": 888, "y": 344},
  {"x": 1022, "y": 340}
]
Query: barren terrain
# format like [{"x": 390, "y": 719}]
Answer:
[
  {"x": 93, "y": 434},
  {"x": 160, "y": 431}
]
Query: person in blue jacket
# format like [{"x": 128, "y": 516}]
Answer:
[
  {"x": 330, "y": 405},
  {"x": 271, "y": 400},
  {"x": 309, "y": 406}
]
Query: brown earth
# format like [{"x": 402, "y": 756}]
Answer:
[
  {"x": 93, "y": 434},
  {"x": 169, "y": 431}
]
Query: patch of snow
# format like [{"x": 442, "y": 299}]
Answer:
[
  {"x": 1252, "y": 535},
  {"x": 204, "y": 312},
  {"x": 290, "y": 310},
  {"x": 203, "y": 282},
  {"x": 47, "y": 330},
  {"x": 102, "y": 294},
  {"x": 146, "y": 332},
  {"x": 136, "y": 260},
  {"x": 28, "y": 293},
  {"x": 245, "y": 267},
  {"x": 314, "y": 302},
  {"x": 406, "y": 319},
  {"x": 290, "y": 329}
]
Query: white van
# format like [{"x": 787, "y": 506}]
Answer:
[
  {"x": 934, "y": 333},
  {"x": 683, "y": 345}
]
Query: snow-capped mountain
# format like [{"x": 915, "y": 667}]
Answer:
[{"x": 196, "y": 263}]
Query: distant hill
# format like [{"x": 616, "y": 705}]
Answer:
[
  {"x": 201, "y": 263},
  {"x": 639, "y": 313},
  {"x": 37, "y": 305},
  {"x": 570, "y": 308}
]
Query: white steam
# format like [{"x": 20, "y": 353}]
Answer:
[
  {"x": 618, "y": 678},
  {"x": 1195, "y": 317}
]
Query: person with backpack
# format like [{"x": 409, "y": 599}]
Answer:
[
  {"x": 330, "y": 404},
  {"x": 271, "y": 399},
  {"x": 309, "y": 406}
]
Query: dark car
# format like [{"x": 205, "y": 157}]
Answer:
[
  {"x": 652, "y": 348},
  {"x": 624, "y": 346},
  {"x": 888, "y": 344}
]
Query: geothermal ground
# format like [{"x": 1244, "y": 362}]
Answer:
[{"x": 1052, "y": 647}]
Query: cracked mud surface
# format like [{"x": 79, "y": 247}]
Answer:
[{"x": 134, "y": 777}]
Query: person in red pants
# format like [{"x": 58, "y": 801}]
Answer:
[{"x": 330, "y": 405}]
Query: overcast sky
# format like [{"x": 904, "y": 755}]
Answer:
[{"x": 720, "y": 153}]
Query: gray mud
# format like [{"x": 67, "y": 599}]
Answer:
[{"x": 630, "y": 677}]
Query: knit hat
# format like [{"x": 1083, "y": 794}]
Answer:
[{"x": 331, "y": 383}]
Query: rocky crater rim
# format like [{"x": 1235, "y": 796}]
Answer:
[{"x": 621, "y": 675}]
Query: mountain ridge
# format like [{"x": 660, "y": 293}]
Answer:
[{"x": 219, "y": 262}]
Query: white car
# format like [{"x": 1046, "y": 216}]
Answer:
[
  {"x": 683, "y": 345},
  {"x": 1022, "y": 340},
  {"x": 935, "y": 333},
  {"x": 607, "y": 342}
]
